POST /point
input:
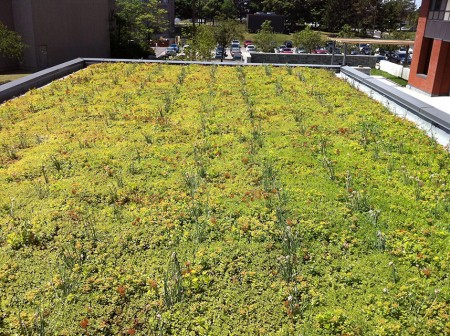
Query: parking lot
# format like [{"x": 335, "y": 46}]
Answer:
[
  {"x": 401, "y": 56},
  {"x": 160, "y": 52}
]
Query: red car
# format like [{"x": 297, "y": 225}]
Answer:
[
  {"x": 287, "y": 51},
  {"x": 248, "y": 42},
  {"x": 320, "y": 51}
]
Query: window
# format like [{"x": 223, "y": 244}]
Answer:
[
  {"x": 425, "y": 56},
  {"x": 436, "y": 5},
  {"x": 447, "y": 12},
  {"x": 439, "y": 10}
]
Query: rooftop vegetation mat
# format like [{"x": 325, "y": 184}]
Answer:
[{"x": 203, "y": 200}]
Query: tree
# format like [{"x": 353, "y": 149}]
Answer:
[
  {"x": 394, "y": 12},
  {"x": 11, "y": 45},
  {"x": 293, "y": 10},
  {"x": 346, "y": 32},
  {"x": 211, "y": 9},
  {"x": 308, "y": 39},
  {"x": 338, "y": 13},
  {"x": 183, "y": 9},
  {"x": 226, "y": 31},
  {"x": 367, "y": 15},
  {"x": 229, "y": 9},
  {"x": 265, "y": 37},
  {"x": 314, "y": 11},
  {"x": 136, "y": 23},
  {"x": 201, "y": 44},
  {"x": 243, "y": 8}
]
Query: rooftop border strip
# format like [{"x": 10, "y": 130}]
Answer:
[
  {"x": 429, "y": 113},
  {"x": 90, "y": 61},
  {"x": 38, "y": 79},
  {"x": 20, "y": 86}
]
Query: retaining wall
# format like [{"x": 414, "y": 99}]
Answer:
[{"x": 350, "y": 60}]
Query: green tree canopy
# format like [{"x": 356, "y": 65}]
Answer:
[
  {"x": 229, "y": 9},
  {"x": 137, "y": 21},
  {"x": 265, "y": 37},
  {"x": 11, "y": 45},
  {"x": 308, "y": 39},
  {"x": 227, "y": 30},
  {"x": 201, "y": 44}
]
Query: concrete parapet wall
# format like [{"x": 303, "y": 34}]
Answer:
[
  {"x": 38, "y": 79},
  {"x": 395, "y": 69},
  {"x": 350, "y": 60},
  {"x": 435, "y": 120}
]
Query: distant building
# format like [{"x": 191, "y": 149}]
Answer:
[
  {"x": 169, "y": 6},
  {"x": 430, "y": 68},
  {"x": 255, "y": 21},
  {"x": 57, "y": 31}
]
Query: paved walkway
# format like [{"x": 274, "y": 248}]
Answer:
[{"x": 442, "y": 102}]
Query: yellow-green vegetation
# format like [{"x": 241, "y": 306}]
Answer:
[{"x": 195, "y": 200}]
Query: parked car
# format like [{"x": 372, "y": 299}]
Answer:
[
  {"x": 235, "y": 44},
  {"x": 247, "y": 43},
  {"x": 287, "y": 51},
  {"x": 301, "y": 51},
  {"x": 250, "y": 48},
  {"x": 365, "y": 48},
  {"x": 237, "y": 56},
  {"x": 381, "y": 58},
  {"x": 176, "y": 47},
  {"x": 235, "y": 50},
  {"x": 171, "y": 51},
  {"x": 320, "y": 51},
  {"x": 219, "y": 52},
  {"x": 400, "y": 57}
]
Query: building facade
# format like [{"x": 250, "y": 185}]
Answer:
[
  {"x": 430, "y": 68},
  {"x": 58, "y": 31},
  {"x": 169, "y": 6}
]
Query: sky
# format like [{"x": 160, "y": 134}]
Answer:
[{"x": 418, "y": 3}]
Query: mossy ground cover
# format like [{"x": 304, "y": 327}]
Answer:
[{"x": 196, "y": 200}]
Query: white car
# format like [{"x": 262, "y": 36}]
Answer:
[{"x": 250, "y": 47}]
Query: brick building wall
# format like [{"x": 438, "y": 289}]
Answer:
[{"x": 430, "y": 68}]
